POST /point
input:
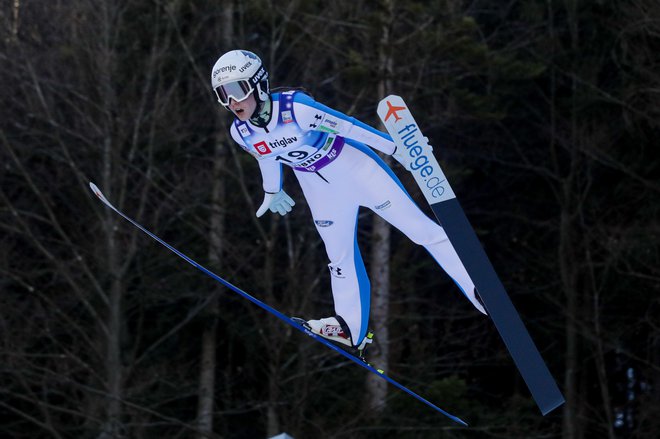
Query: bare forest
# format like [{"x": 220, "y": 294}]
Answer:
[{"x": 545, "y": 115}]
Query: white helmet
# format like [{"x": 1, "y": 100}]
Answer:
[{"x": 237, "y": 74}]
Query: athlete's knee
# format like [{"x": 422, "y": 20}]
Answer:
[{"x": 427, "y": 236}]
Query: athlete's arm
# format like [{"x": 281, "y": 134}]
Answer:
[
  {"x": 312, "y": 115},
  {"x": 271, "y": 171}
]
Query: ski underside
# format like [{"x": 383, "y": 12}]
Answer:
[
  {"x": 291, "y": 322},
  {"x": 430, "y": 178}
]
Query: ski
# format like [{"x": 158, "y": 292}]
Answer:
[
  {"x": 360, "y": 361},
  {"x": 430, "y": 178}
]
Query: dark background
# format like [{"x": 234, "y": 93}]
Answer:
[{"x": 543, "y": 113}]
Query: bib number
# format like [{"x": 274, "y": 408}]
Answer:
[{"x": 303, "y": 156}]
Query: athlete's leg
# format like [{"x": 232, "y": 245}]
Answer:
[
  {"x": 388, "y": 199},
  {"x": 336, "y": 221}
]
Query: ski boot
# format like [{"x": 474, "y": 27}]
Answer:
[{"x": 335, "y": 329}]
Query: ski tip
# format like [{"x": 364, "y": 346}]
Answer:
[
  {"x": 387, "y": 102},
  {"x": 392, "y": 97},
  {"x": 547, "y": 408},
  {"x": 462, "y": 422},
  {"x": 97, "y": 192},
  {"x": 94, "y": 188},
  {"x": 456, "y": 419}
]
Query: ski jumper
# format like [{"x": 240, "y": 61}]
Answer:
[{"x": 338, "y": 173}]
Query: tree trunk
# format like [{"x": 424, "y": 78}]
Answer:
[
  {"x": 603, "y": 379},
  {"x": 217, "y": 231},
  {"x": 568, "y": 281},
  {"x": 380, "y": 286},
  {"x": 113, "y": 365},
  {"x": 208, "y": 365},
  {"x": 380, "y": 250},
  {"x": 272, "y": 417}
]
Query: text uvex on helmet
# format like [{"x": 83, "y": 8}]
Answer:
[{"x": 237, "y": 74}]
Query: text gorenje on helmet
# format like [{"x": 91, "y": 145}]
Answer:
[{"x": 223, "y": 69}]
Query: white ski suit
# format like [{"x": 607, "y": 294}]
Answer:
[{"x": 338, "y": 173}]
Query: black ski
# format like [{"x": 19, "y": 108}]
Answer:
[{"x": 436, "y": 189}]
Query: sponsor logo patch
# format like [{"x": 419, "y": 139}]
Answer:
[
  {"x": 327, "y": 130},
  {"x": 317, "y": 119},
  {"x": 283, "y": 142},
  {"x": 324, "y": 223},
  {"x": 384, "y": 206},
  {"x": 330, "y": 123},
  {"x": 287, "y": 117},
  {"x": 328, "y": 143},
  {"x": 262, "y": 148},
  {"x": 336, "y": 272},
  {"x": 244, "y": 130},
  {"x": 261, "y": 74}
]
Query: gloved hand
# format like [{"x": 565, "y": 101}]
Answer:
[
  {"x": 278, "y": 202},
  {"x": 403, "y": 157}
]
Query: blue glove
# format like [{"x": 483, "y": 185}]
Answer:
[{"x": 279, "y": 202}]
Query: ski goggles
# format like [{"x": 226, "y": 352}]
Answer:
[{"x": 237, "y": 90}]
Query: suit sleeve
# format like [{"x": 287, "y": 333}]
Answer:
[
  {"x": 271, "y": 171},
  {"x": 312, "y": 115}
]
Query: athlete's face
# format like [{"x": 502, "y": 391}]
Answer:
[{"x": 244, "y": 109}]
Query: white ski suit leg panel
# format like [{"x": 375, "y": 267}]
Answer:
[
  {"x": 334, "y": 210},
  {"x": 350, "y": 284}
]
